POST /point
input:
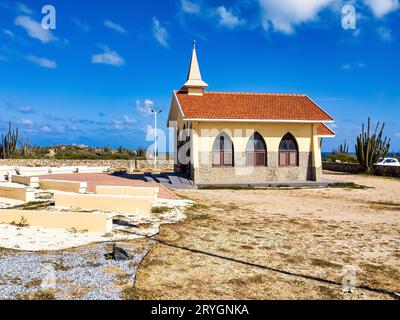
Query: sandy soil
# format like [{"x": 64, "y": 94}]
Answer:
[{"x": 316, "y": 232}]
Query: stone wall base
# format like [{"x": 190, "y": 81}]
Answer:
[{"x": 240, "y": 173}]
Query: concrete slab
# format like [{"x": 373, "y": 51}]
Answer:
[
  {"x": 32, "y": 182},
  {"x": 84, "y": 169},
  {"x": 17, "y": 192},
  {"x": 91, "y": 222},
  {"x": 129, "y": 191},
  {"x": 130, "y": 205},
  {"x": 63, "y": 185}
]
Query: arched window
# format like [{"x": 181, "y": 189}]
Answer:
[
  {"x": 223, "y": 152},
  {"x": 256, "y": 151},
  {"x": 288, "y": 151}
]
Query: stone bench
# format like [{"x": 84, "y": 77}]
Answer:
[
  {"x": 84, "y": 169},
  {"x": 32, "y": 182},
  {"x": 129, "y": 191},
  {"x": 130, "y": 205},
  {"x": 6, "y": 172},
  {"x": 63, "y": 185},
  {"x": 17, "y": 192},
  {"x": 32, "y": 171},
  {"x": 63, "y": 170},
  {"x": 80, "y": 221}
]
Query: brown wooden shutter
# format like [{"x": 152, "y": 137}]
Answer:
[
  {"x": 293, "y": 158},
  {"x": 282, "y": 159}
]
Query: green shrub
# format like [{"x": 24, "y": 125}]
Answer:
[{"x": 342, "y": 157}]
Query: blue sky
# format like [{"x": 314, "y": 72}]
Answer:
[{"x": 93, "y": 78}]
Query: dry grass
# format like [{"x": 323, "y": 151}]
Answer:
[
  {"x": 38, "y": 295},
  {"x": 314, "y": 232}
]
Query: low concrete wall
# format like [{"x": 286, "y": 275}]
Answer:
[
  {"x": 130, "y": 165},
  {"x": 388, "y": 171},
  {"x": 17, "y": 192},
  {"x": 162, "y": 165},
  {"x": 32, "y": 182},
  {"x": 114, "y": 203},
  {"x": 92, "y": 222},
  {"x": 61, "y": 185},
  {"x": 354, "y": 168},
  {"x": 129, "y": 191},
  {"x": 342, "y": 167}
]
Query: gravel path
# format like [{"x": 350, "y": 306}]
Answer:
[{"x": 80, "y": 274}]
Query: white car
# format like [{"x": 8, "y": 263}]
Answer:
[{"x": 393, "y": 162}]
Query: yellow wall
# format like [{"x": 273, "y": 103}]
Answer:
[{"x": 205, "y": 134}]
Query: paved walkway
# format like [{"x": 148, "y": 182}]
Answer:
[{"x": 103, "y": 179}]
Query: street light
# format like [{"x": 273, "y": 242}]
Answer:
[{"x": 155, "y": 135}]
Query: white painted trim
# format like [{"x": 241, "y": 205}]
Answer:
[
  {"x": 174, "y": 96},
  {"x": 256, "y": 120},
  {"x": 179, "y": 104},
  {"x": 334, "y": 136},
  {"x": 321, "y": 109}
]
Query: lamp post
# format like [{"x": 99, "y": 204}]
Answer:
[{"x": 155, "y": 135}]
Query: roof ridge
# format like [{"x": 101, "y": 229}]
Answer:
[{"x": 255, "y": 93}]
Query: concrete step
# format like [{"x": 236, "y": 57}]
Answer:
[{"x": 161, "y": 179}]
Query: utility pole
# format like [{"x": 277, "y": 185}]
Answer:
[{"x": 155, "y": 136}]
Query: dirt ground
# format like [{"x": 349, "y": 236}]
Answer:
[{"x": 316, "y": 232}]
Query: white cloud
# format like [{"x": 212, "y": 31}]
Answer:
[
  {"x": 42, "y": 62},
  {"x": 146, "y": 109},
  {"x": 45, "y": 129},
  {"x": 397, "y": 134},
  {"x": 228, "y": 19},
  {"x": 27, "y": 122},
  {"x": 81, "y": 25},
  {"x": 149, "y": 103},
  {"x": 346, "y": 66},
  {"x": 160, "y": 33},
  {"x": 9, "y": 33},
  {"x": 114, "y": 26},
  {"x": 23, "y": 8},
  {"x": 382, "y": 7},
  {"x": 34, "y": 29},
  {"x": 190, "y": 7},
  {"x": 128, "y": 120},
  {"x": 25, "y": 109},
  {"x": 385, "y": 34},
  {"x": 349, "y": 66},
  {"x": 108, "y": 57},
  {"x": 284, "y": 15}
]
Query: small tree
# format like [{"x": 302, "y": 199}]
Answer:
[
  {"x": 370, "y": 148},
  {"x": 8, "y": 143}
]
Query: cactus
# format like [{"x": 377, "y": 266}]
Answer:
[
  {"x": 8, "y": 144},
  {"x": 343, "y": 149},
  {"x": 24, "y": 147},
  {"x": 370, "y": 148}
]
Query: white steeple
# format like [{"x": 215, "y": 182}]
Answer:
[{"x": 194, "y": 84}]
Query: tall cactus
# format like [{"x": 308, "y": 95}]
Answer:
[
  {"x": 343, "y": 149},
  {"x": 370, "y": 148},
  {"x": 8, "y": 144}
]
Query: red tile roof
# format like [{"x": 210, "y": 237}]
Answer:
[
  {"x": 323, "y": 130},
  {"x": 250, "y": 106}
]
